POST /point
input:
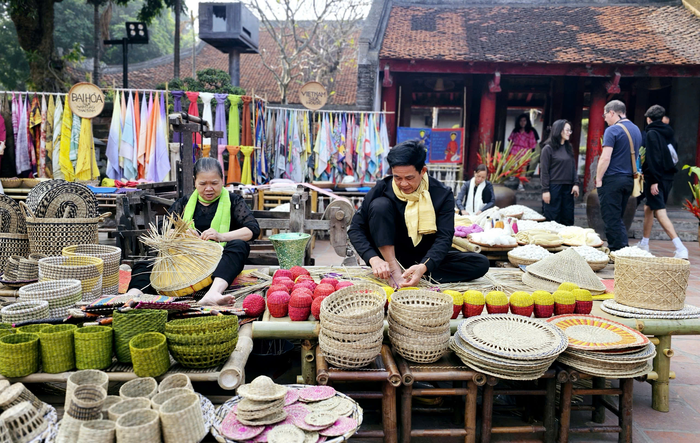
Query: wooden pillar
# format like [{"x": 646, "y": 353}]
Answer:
[
  {"x": 697, "y": 146},
  {"x": 501, "y": 117},
  {"x": 596, "y": 128},
  {"x": 557, "y": 92},
  {"x": 487, "y": 117},
  {"x": 467, "y": 99},
  {"x": 406, "y": 101},
  {"x": 390, "y": 96},
  {"x": 577, "y": 117},
  {"x": 473, "y": 128}
]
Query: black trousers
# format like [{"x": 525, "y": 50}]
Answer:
[
  {"x": 456, "y": 266},
  {"x": 231, "y": 264},
  {"x": 561, "y": 204},
  {"x": 613, "y": 196}
]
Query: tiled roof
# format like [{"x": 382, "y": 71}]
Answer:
[
  {"x": 550, "y": 34},
  {"x": 253, "y": 74}
]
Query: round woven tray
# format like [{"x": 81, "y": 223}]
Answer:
[
  {"x": 513, "y": 336},
  {"x": 601, "y": 371},
  {"x": 639, "y": 356},
  {"x": 588, "y": 332},
  {"x": 486, "y": 360},
  {"x": 516, "y": 261},
  {"x": 11, "y": 182},
  {"x": 548, "y": 247},
  {"x": 64, "y": 200},
  {"x": 598, "y": 265},
  {"x": 225, "y": 409},
  {"x": 620, "y": 310},
  {"x": 11, "y": 216}
]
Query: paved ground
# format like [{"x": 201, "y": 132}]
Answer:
[{"x": 680, "y": 425}]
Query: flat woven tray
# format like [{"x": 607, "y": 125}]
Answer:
[
  {"x": 598, "y": 371},
  {"x": 620, "y": 310},
  {"x": 513, "y": 336},
  {"x": 644, "y": 354},
  {"x": 588, "y": 332}
]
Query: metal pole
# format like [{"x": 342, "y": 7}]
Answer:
[
  {"x": 125, "y": 46},
  {"x": 234, "y": 67},
  {"x": 176, "y": 55}
]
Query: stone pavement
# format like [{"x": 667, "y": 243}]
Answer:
[{"x": 680, "y": 425}]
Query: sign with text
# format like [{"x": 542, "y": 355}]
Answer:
[
  {"x": 86, "y": 100},
  {"x": 313, "y": 95}
]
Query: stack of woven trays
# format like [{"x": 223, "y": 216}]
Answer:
[
  {"x": 419, "y": 324},
  {"x": 352, "y": 325},
  {"x": 62, "y": 295},
  {"x": 604, "y": 348},
  {"x": 510, "y": 347},
  {"x": 202, "y": 342},
  {"x": 86, "y": 269},
  {"x": 60, "y": 214},
  {"x": 13, "y": 231},
  {"x": 110, "y": 255}
]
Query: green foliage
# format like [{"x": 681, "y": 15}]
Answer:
[
  {"x": 15, "y": 68},
  {"x": 208, "y": 80}
]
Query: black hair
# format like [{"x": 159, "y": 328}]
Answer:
[
  {"x": 655, "y": 113},
  {"x": 207, "y": 164},
  {"x": 479, "y": 168},
  {"x": 528, "y": 123},
  {"x": 408, "y": 153},
  {"x": 554, "y": 139}
]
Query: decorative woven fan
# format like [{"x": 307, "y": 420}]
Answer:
[{"x": 185, "y": 262}]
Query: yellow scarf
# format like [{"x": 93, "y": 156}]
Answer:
[{"x": 419, "y": 213}]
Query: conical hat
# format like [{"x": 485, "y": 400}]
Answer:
[{"x": 565, "y": 266}]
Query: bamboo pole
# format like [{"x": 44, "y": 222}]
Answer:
[
  {"x": 232, "y": 375},
  {"x": 662, "y": 367},
  {"x": 301, "y": 330},
  {"x": 308, "y": 362}
]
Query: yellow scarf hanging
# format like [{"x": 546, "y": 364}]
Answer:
[
  {"x": 247, "y": 175},
  {"x": 86, "y": 165},
  {"x": 64, "y": 153},
  {"x": 419, "y": 213}
]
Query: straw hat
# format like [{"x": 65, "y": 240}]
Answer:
[
  {"x": 565, "y": 266},
  {"x": 262, "y": 389}
]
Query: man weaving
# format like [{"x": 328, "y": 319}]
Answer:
[{"x": 407, "y": 220}]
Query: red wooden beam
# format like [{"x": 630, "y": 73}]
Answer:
[
  {"x": 389, "y": 98},
  {"x": 596, "y": 128},
  {"x": 487, "y": 117},
  {"x": 567, "y": 69}
]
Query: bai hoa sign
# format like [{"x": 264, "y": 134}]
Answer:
[
  {"x": 86, "y": 100},
  {"x": 313, "y": 95}
]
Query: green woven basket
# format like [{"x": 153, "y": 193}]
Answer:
[
  {"x": 57, "y": 348},
  {"x": 202, "y": 325},
  {"x": 5, "y": 326},
  {"x": 212, "y": 338},
  {"x": 93, "y": 347},
  {"x": 200, "y": 357},
  {"x": 32, "y": 329},
  {"x": 19, "y": 355},
  {"x": 149, "y": 353},
  {"x": 4, "y": 332},
  {"x": 128, "y": 325}
]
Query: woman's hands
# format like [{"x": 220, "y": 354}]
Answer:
[{"x": 211, "y": 234}]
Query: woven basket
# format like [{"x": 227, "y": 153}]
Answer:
[
  {"x": 19, "y": 355},
  {"x": 62, "y": 199},
  {"x": 62, "y": 295},
  {"x": 84, "y": 377},
  {"x": 357, "y": 304},
  {"x": 24, "y": 422},
  {"x": 25, "y": 311},
  {"x": 13, "y": 182},
  {"x": 28, "y": 269},
  {"x": 182, "y": 419},
  {"x": 97, "y": 431},
  {"x": 656, "y": 283},
  {"x": 4, "y": 433},
  {"x": 11, "y": 216},
  {"x": 11, "y": 267},
  {"x": 12, "y": 244},
  {"x": 111, "y": 255},
  {"x": 201, "y": 325},
  {"x": 110, "y": 401},
  {"x": 598, "y": 265},
  {"x": 57, "y": 348},
  {"x": 160, "y": 398},
  {"x": 127, "y": 405},
  {"x": 423, "y": 308},
  {"x": 202, "y": 357},
  {"x": 129, "y": 324},
  {"x": 32, "y": 329},
  {"x": 86, "y": 269},
  {"x": 86, "y": 402},
  {"x": 139, "y": 426},
  {"x": 211, "y": 338},
  {"x": 18, "y": 393},
  {"x": 140, "y": 387},
  {"x": 149, "y": 354},
  {"x": 175, "y": 381},
  {"x": 93, "y": 347}
]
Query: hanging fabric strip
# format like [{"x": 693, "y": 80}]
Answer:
[
  {"x": 151, "y": 136},
  {"x": 86, "y": 164},
  {"x": 246, "y": 135},
  {"x": 75, "y": 140},
  {"x": 57, "y": 131},
  {"x": 220, "y": 125},
  {"x": 206, "y": 113},
  {"x": 113, "y": 149},
  {"x": 194, "y": 110},
  {"x": 234, "y": 121},
  {"x": 162, "y": 166},
  {"x": 50, "y": 111},
  {"x": 24, "y": 159},
  {"x": 246, "y": 177},
  {"x": 177, "y": 107},
  {"x": 143, "y": 137},
  {"x": 127, "y": 145},
  {"x": 66, "y": 131}
]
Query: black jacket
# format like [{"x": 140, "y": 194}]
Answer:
[
  {"x": 557, "y": 166},
  {"x": 658, "y": 164},
  {"x": 488, "y": 196},
  {"x": 433, "y": 246},
  {"x": 241, "y": 216}
]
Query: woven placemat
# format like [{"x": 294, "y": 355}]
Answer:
[
  {"x": 597, "y": 371},
  {"x": 620, "y": 310},
  {"x": 588, "y": 332},
  {"x": 643, "y": 354}
]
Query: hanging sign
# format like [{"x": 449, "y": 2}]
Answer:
[
  {"x": 313, "y": 95},
  {"x": 86, "y": 100}
]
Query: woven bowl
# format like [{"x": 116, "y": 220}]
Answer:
[
  {"x": 139, "y": 387},
  {"x": 60, "y": 294},
  {"x": 358, "y": 304},
  {"x": 24, "y": 422},
  {"x": 139, "y": 426},
  {"x": 25, "y": 311},
  {"x": 18, "y": 393},
  {"x": 86, "y": 402},
  {"x": 125, "y": 406},
  {"x": 149, "y": 354},
  {"x": 429, "y": 307},
  {"x": 201, "y": 325},
  {"x": 11, "y": 182},
  {"x": 175, "y": 381},
  {"x": 202, "y": 357},
  {"x": 598, "y": 265},
  {"x": 111, "y": 255},
  {"x": 164, "y": 396},
  {"x": 517, "y": 261},
  {"x": 418, "y": 325},
  {"x": 85, "y": 377}
]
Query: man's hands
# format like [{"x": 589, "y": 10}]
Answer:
[
  {"x": 598, "y": 183},
  {"x": 380, "y": 268},
  {"x": 413, "y": 275},
  {"x": 575, "y": 191},
  {"x": 546, "y": 197},
  {"x": 655, "y": 189}
]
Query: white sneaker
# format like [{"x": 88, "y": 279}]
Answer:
[
  {"x": 681, "y": 253},
  {"x": 643, "y": 247}
]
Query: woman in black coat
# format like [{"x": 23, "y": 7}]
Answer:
[
  {"x": 559, "y": 175},
  {"x": 477, "y": 194}
]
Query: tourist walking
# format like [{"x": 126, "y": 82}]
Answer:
[{"x": 559, "y": 175}]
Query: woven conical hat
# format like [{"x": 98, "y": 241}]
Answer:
[{"x": 565, "y": 266}]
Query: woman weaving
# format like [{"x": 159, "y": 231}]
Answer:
[{"x": 220, "y": 216}]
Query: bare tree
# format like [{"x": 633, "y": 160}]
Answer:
[{"x": 312, "y": 38}]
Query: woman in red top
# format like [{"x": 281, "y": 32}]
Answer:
[{"x": 524, "y": 136}]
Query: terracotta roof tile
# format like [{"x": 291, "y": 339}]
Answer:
[
  {"x": 549, "y": 34},
  {"x": 253, "y": 74}
]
